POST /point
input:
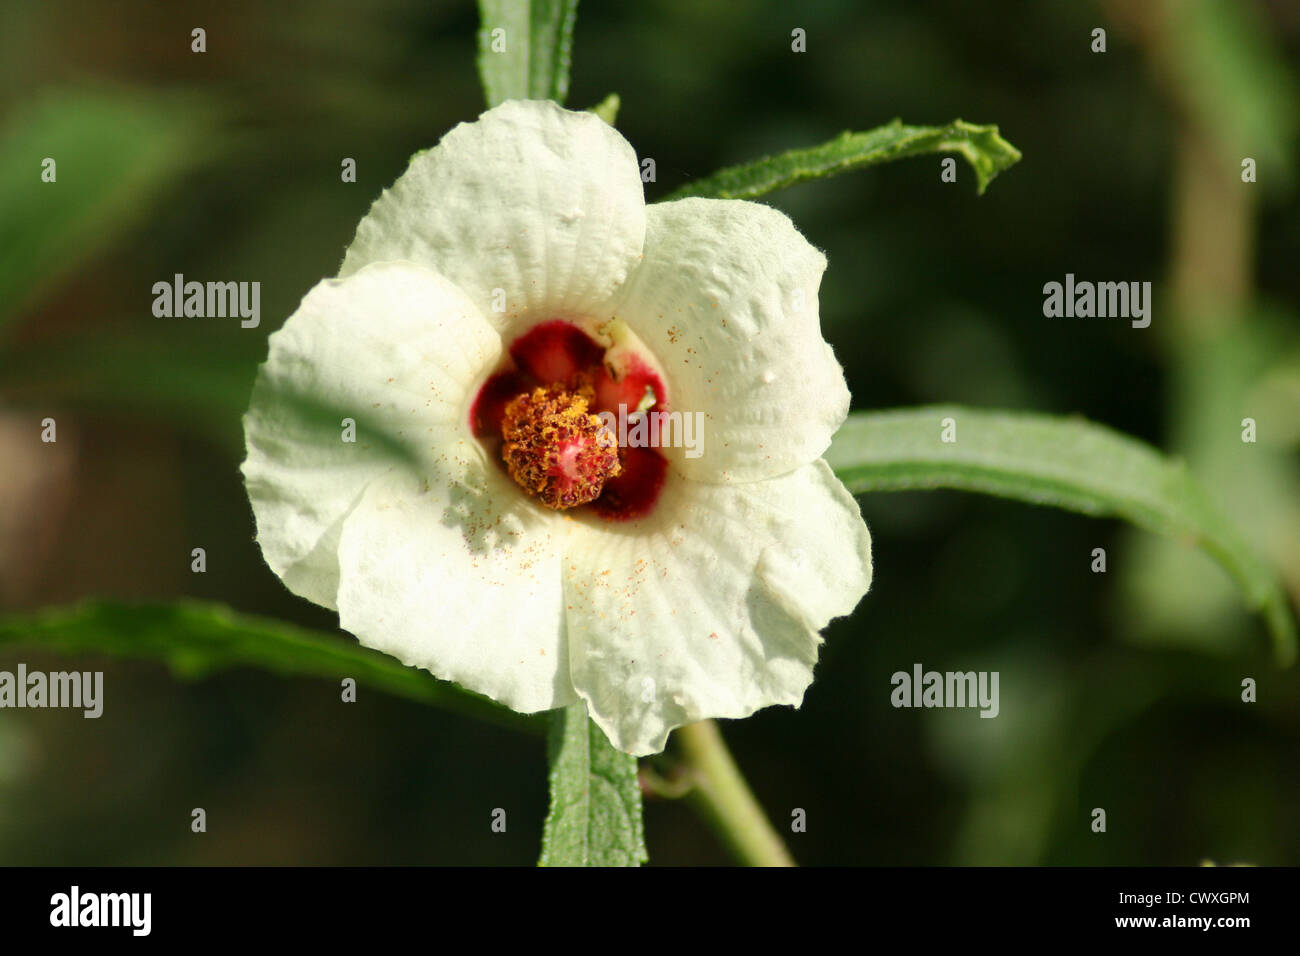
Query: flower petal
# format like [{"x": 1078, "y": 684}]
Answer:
[
  {"x": 397, "y": 349},
  {"x": 462, "y": 580},
  {"x": 711, "y": 606},
  {"x": 542, "y": 203},
  {"x": 726, "y": 299}
]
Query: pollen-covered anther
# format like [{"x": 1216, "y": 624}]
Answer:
[{"x": 557, "y": 450}]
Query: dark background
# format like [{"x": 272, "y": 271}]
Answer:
[{"x": 1118, "y": 690}]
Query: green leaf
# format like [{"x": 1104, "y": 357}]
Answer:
[
  {"x": 1174, "y": 596},
  {"x": 195, "y": 639},
  {"x": 529, "y": 58},
  {"x": 114, "y": 154},
  {"x": 986, "y": 151},
  {"x": 595, "y": 817},
  {"x": 1067, "y": 463}
]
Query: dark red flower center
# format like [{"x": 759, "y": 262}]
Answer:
[{"x": 540, "y": 416}]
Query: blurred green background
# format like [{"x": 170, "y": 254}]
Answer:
[{"x": 1118, "y": 690}]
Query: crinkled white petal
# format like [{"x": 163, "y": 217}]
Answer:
[
  {"x": 711, "y": 606},
  {"x": 394, "y": 347},
  {"x": 532, "y": 208},
  {"x": 437, "y": 559},
  {"x": 462, "y": 580},
  {"x": 726, "y": 299}
]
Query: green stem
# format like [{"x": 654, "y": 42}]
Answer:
[{"x": 725, "y": 801}]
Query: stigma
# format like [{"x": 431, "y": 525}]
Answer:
[{"x": 555, "y": 449}]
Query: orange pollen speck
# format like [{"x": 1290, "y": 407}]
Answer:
[{"x": 555, "y": 449}]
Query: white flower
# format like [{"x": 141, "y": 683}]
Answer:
[{"x": 659, "y": 587}]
